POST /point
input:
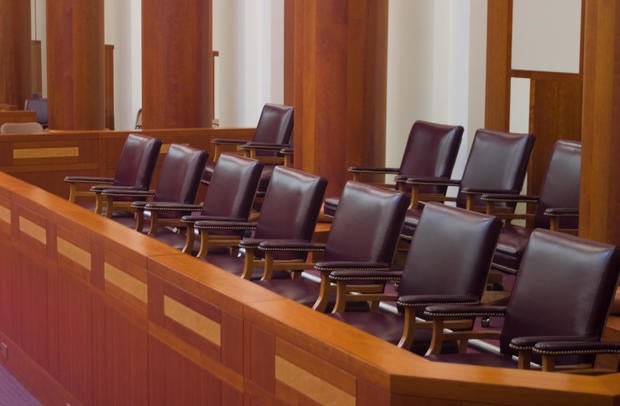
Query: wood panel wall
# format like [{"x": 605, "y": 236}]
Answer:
[
  {"x": 555, "y": 98},
  {"x": 94, "y": 313}
]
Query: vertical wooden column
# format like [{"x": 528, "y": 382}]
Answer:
[
  {"x": 15, "y": 62},
  {"x": 177, "y": 63},
  {"x": 75, "y": 64},
  {"x": 499, "y": 47},
  {"x": 340, "y": 77},
  {"x": 599, "y": 216}
]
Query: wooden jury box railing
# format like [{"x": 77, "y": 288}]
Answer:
[{"x": 94, "y": 313}]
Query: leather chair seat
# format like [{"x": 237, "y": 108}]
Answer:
[
  {"x": 329, "y": 206},
  {"x": 412, "y": 218}
]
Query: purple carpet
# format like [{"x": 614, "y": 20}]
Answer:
[{"x": 12, "y": 393}]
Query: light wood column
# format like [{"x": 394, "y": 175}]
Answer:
[
  {"x": 177, "y": 63},
  {"x": 599, "y": 216},
  {"x": 339, "y": 84},
  {"x": 75, "y": 64},
  {"x": 15, "y": 62}
]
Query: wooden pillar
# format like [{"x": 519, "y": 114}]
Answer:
[
  {"x": 339, "y": 85},
  {"x": 15, "y": 62},
  {"x": 75, "y": 64},
  {"x": 599, "y": 216},
  {"x": 177, "y": 63}
]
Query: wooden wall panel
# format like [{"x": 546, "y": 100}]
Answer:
[
  {"x": 15, "y": 58},
  {"x": 599, "y": 207},
  {"x": 340, "y": 65},
  {"x": 75, "y": 65},
  {"x": 179, "y": 92},
  {"x": 97, "y": 347}
]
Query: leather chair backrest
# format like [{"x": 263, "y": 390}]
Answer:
[
  {"x": 450, "y": 253},
  {"x": 431, "y": 151},
  {"x": 564, "y": 286},
  {"x": 560, "y": 187},
  {"x": 137, "y": 161},
  {"x": 38, "y": 105},
  {"x": 291, "y": 205},
  {"x": 275, "y": 124},
  {"x": 497, "y": 163},
  {"x": 232, "y": 188},
  {"x": 180, "y": 174},
  {"x": 366, "y": 224}
]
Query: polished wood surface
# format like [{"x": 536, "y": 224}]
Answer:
[
  {"x": 340, "y": 80},
  {"x": 17, "y": 116},
  {"x": 45, "y": 159},
  {"x": 176, "y": 77},
  {"x": 95, "y": 313},
  {"x": 15, "y": 59},
  {"x": 599, "y": 206},
  {"x": 555, "y": 98},
  {"x": 75, "y": 64}
]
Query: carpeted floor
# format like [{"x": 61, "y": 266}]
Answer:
[{"x": 12, "y": 393}]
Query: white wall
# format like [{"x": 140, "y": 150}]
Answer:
[
  {"x": 123, "y": 30},
  {"x": 436, "y": 69},
  {"x": 38, "y": 27},
  {"x": 249, "y": 72}
]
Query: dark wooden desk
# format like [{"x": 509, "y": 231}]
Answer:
[{"x": 94, "y": 313}]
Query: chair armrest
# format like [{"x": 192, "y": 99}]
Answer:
[
  {"x": 127, "y": 192},
  {"x": 102, "y": 187},
  {"x": 262, "y": 146},
  {"x": 455, "y": 310},
  {"x": 210, "y": 225},
  {"x": 373, "y": 274},
  {"x": 291, "y": 245},
  {"x": 561, "y": 211},
  {"x": 430, "y": 300},
  {"x": 225, "y": 141},
  {"x": 168, "y": 206},
  {"x": 367, "y": 169},
  {"x": 88, "y": 179},
  {"x": 558, "y": 342},
  {"x": 574, "y": 347},
  {"x": 192, "y": 218},
  {"x": 433, "y": 181},
  {"x": 510, "y": 198}
]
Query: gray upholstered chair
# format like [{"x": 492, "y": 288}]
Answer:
[
  {"x": 558, "y": 306},
  {"x": 21, "y": 128},
  {"x": 448, "y": 262},
  {"x": 290, "y": 210},
  {"x": 363, "y": 235},
  {"x": 431, "y": 151},
  {"x": 134, "y": 170}
]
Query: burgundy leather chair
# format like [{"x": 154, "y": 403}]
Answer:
[
  {"x": 290, "y": 211},
  {"x": 363, "y": 235},
  {"x": 134, "y": 170},
  {"x": 273, "y": 132},
  {"x": 497, "y": 163},
  {"x": 178, "y": 182},
  {"x": 448, "y": 262},
  {"x": 557, "y": 205},
  {"x": 560, "y": 299},
  {"x": 229, "y": 197},
  {"x": 431, "y": 151}
]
